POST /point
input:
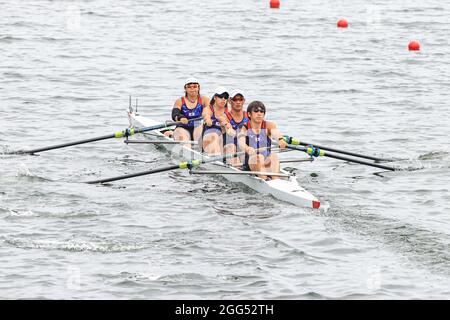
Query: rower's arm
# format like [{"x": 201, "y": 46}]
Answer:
[
  {"x": 206, "y": 114},
  {"x": 229, "y": 130},
  {"x": 241, "y": 139},
  {"x": 206, "y": 102},
  {"x": 275, "y": 134},
  {"x": 225, "y": 125},
  {"x": 177, "y": 115}
]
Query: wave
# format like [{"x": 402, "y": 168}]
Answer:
[
  {"x": 10, "y": 39},
  {"x": 75, "y": 246},
  {"x": 73, "y": 98},
  {"x": 13, "y": 75},
  {"x": 434, "y": 155},
  {"x": 421, "y": 246}
]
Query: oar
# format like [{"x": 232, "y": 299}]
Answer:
[
  {"x": 119, "y": 134},
  {"x": 297, "y": 142},
  {"x": 181, "y": 165},
  {"x": 317, "y": 152},
  {"x": 160, "y": 142}
]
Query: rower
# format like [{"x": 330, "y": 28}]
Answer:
[
  {"x": 255, "y": 139},
  {"x": 215, "y": 122},
  {"x": 237, "y": 118},
  {"x": 189, "y": 107}
]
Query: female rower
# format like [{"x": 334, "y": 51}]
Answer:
[
  {"x": 255, "y": 139},
  {"x": 189, "y": 107},
  {"x": 216, "y": 122},
  {"x": 237, "y": 118}
]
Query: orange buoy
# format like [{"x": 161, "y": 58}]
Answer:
[
  {"x": 414, "y": 46},
  {"x": 274, "y": 4},
  {"x": 342, "y": 23}
]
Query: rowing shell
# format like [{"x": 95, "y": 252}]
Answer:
[{"x": 286, "y": 188}]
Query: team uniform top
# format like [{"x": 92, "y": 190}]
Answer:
[
  {"x": 257, "y": 140},
  {"x": 236, "y": 126}
]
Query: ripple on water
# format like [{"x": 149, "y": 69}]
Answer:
[
  {"x": 19, "y": 214},
  {"x": 10, "y": 39},
  {"x": 424, "y": 247},
  {"x": 75, "y": 245},
  {"x": 435, "y": 155},
  {"x": 6, "y": 149}
]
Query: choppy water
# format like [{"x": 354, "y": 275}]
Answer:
[{"x": 66, "y": 71}]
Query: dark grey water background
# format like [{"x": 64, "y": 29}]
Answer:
[{"x": 66, "y": 71}]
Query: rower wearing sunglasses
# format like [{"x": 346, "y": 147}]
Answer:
[
  {"x": 255, "y": 139},
  {"x": 215, "y": 122},
  {"x": 190, "y": 106},
  {"x": 237, "y": 118}
]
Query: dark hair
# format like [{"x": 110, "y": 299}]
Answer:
[{"x": 254, "y": 105}]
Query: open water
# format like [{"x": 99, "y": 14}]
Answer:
[{"x": 67, "y": 69}]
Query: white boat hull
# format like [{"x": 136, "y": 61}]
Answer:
[{"x": 285, "y": 189}]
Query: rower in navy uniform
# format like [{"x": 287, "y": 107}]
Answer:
[
  {"x": 237, "y": 118},
  {"x": 190, "y": 106},
  {"x": 216, "y": 122},
  {"x": 255, "y": 139}
]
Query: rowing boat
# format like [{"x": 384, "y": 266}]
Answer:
[{"x": 286, "y": 188}]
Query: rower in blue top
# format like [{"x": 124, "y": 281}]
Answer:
[
  {"x": 190, "y": 106},
  {"x": 216, "y": 122},
  {"x": 237, "y": 118},
  {"x": 255, "y": 139}
]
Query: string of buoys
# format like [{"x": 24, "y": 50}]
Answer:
[
  {"x": 412, "y": 46},
  {"x": 342, "y": 23}
]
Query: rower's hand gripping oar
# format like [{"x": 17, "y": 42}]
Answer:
[
  {"x": 317, "y": 152},
  {"x": 182, "y": 165},
  {"x": 294, "y": 141},
  {"x": 119, "y": 134}
]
